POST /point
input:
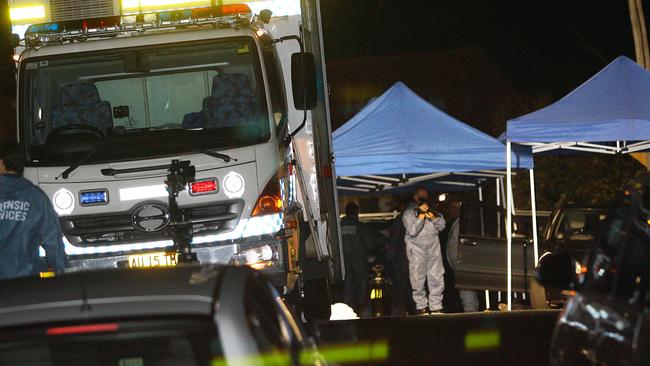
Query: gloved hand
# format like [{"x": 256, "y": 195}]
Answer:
[{"x": 423, "y": 209}]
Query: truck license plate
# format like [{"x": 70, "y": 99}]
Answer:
[{"x": 156, "y": 259}]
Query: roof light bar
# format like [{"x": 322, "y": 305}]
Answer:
[{"x": 58, "y": 32}]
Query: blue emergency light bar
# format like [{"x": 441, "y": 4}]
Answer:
[{"x": 91, "y": 198}]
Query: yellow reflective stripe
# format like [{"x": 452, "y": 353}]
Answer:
[
  {"x": 482, "y": 340},
  {"x": 374, "y": 351},
  {"x": 274, "y": 358}
]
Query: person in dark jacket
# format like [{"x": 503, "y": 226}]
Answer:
[
  {"x": 357, "y": 240},
  {"x": 27, "y": 221},
  {"x": 402, "y": 302}
]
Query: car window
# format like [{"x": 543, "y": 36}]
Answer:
[
  {"x": 266, "y": 324},
  {"x": 632, "y": 266},
  {"x": 579, "y": 224},
  {"x": 482, "y": 220},
  {"x": 191, "y": 342},
  {"x": 602, "y": 258}
]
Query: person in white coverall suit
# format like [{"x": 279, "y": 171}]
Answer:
[{"x": 423, "y": 252}]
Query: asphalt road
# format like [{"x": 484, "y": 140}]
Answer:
[{"x": 493, "y": 338}]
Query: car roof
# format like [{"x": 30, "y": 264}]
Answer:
[{"x": 114, "y": 293}]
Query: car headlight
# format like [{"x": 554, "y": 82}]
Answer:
[{"x": 257, "y": 258}]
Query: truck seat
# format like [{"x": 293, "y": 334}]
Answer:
[
  {"x": 79, "y": 103},
  {"x": 231, "y": 103}
]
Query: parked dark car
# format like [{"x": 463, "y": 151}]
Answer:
[
  {"x": 482, "y": 250},
  {"x": 571, "y": 229},
  {"x": 607, "y": 322},
  {"x": 187, "y": 315}
]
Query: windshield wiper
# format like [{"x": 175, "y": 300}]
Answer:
[
  {"x": 66, "y": 173},
  {"x": 111, "y": 172},
  {"x": 224, "y": 157}
]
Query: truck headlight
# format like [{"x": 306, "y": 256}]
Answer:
[
  {"x": 63, "y": 201},
  {"x": 257, "y": 258}
]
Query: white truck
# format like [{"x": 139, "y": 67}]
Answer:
[{"x": 109, "y": 92}]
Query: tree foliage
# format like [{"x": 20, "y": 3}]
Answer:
[{"x": 592, "y": 179}]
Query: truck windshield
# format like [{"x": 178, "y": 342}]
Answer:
[{"x": 143, "y": 102}]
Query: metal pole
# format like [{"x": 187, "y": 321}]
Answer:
[
  {"x": 533, "y": 208},
  {"x": 509, "y": 219},
  {"x": 480, "y": 194},
  {"x": 498, "y": 189},
  {"x": 503, "y": 192}
]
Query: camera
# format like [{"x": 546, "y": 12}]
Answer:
[{"x": 430, "y": 210}]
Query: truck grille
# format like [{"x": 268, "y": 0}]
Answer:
[
  {"x": 81, "y": 9},
  {"x": 118, "y": 228}
]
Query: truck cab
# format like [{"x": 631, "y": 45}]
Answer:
[{"x": 106, "y": 103}]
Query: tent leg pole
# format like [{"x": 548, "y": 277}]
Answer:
[
  {"x": 487, "y": 300},
  {"x": 498, "y": 190},
  {"x": 509, "y": 219},
  {"x": 533, "y": 208},
  {"x": 480, "y": 194},
  {"x": 502, "y": 192}
]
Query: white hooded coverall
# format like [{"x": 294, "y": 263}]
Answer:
[{"x": 425, "y": 258}]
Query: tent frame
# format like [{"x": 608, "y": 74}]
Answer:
[{"x": 622, "y": 147}]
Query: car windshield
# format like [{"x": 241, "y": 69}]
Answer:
[
  {"x": 170, "y": 342},
  {"x": 143, "y": 102},
  {"x": 579, "y": 224}
]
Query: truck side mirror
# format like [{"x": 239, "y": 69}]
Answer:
[
  {"x": 556, "y": 271},
  {"x": 303, "y": 80},
  {"x": 14, "y": 40}
]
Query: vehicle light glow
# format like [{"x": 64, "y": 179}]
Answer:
[
  {"x": 140, "y": 193},
  {"x": 278, "y": 7},
  {"x": 27, "y": 13},
  {"x": 257, "y": 257},
  {"x": 138, "y": 6},
  {"x": 81, "y": 329},
  {"x": 234, "y": 185},
  {"x": 63, "y": 201},
  {"x": 89, "y": 198},
  {"x": 204, "y": 187},
  {"x": 234, "y": 9}
]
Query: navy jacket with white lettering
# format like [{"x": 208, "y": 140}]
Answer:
[{"x": 27, "y": 222}]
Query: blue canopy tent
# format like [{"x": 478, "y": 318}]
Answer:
[
  {"x": 399, "y": 139},
  {"x": 399, "y": 132},
  {"x": 609, "y": 113}
]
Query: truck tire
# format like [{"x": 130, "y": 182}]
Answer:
[
  {"x": 293, "y": 300},
  {"x": 538, "y": 295},
  {"x": 317, "y": 300}
]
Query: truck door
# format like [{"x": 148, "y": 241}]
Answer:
[
  {"x": 482, "y": 250},
  {"x": 321, "y": 130}
]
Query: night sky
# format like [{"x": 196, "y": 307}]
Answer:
[
  {"x": 543, "y": 47},
  {"x": 549, "y": 46}
]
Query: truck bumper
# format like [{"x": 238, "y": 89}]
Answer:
[{"x": 216, "y": 252}]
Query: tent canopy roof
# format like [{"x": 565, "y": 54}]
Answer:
[
  {"x": 399, "y": 132},
  {"x": 613, "y": 105}
]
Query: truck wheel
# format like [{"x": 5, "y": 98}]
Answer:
[
  {"x": 538, "y": 295},
  {"x": 294, "y": 300},
  {"x": 317, "y": 300}
]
